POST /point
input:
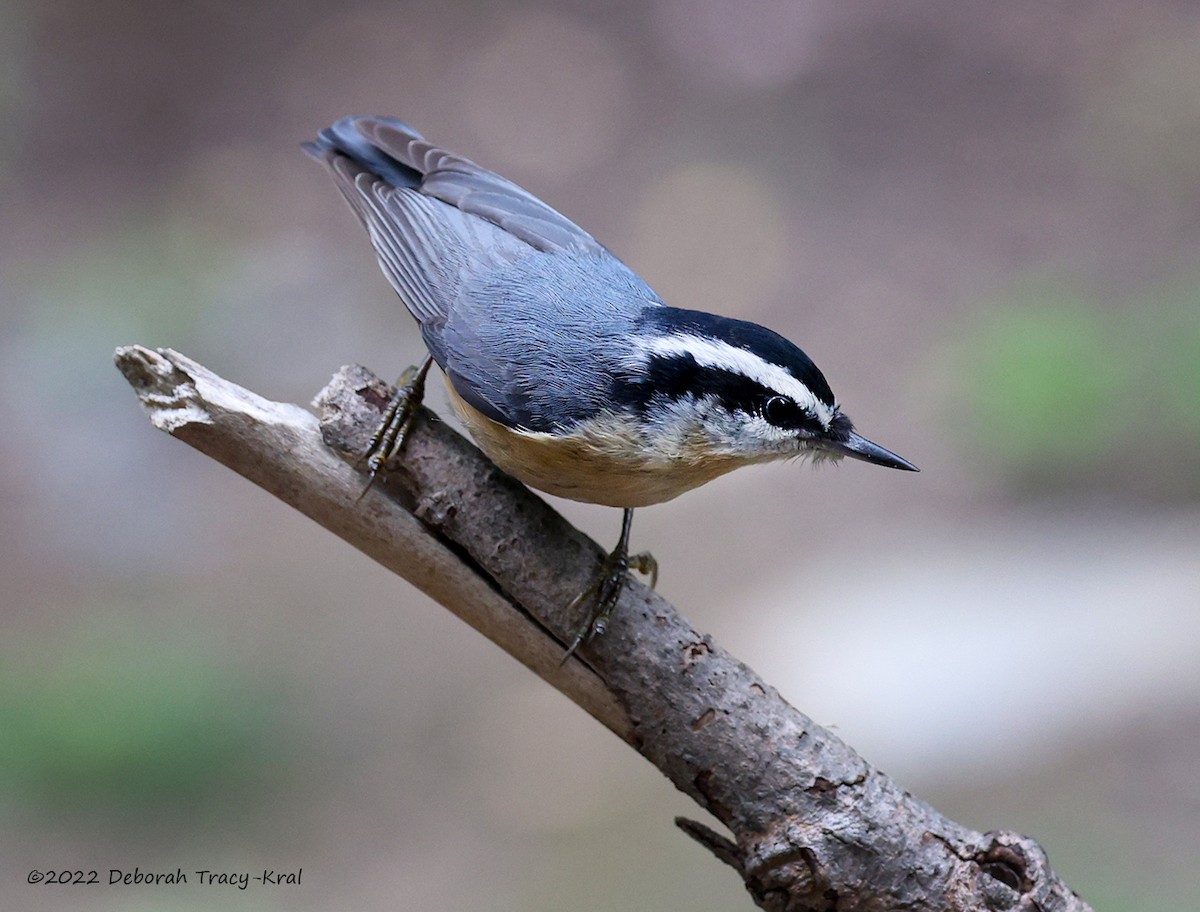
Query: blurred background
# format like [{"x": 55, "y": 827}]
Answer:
[{"x": 981, "y": 220}]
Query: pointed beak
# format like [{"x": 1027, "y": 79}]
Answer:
[{"x": 858, "y": 447}]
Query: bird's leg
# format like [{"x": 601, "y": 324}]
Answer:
[
  {"x": 389, "y": 437},
  {"x": 606, "y": 588}
]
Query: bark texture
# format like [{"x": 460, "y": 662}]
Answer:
[{"x": 814, "y": 826}]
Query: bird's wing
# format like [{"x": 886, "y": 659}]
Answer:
[
  {"x": 432, "y": 214},
  {"x": 421, "y": 252},
  {"x": 464, "y": 248}
]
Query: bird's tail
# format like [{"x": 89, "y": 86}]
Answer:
[{"x": 346, "y": 139}]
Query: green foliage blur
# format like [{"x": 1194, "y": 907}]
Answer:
[
  {"x": 120, "y": 726},
  {"x": 1061, "y": 392}
]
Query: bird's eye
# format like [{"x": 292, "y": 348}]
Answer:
[{"x": 780, "y": 411}]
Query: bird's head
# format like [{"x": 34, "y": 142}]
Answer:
[{"x": 732, "y": 388}]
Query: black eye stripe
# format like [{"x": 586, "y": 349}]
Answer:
[
  {"x": 676, "y": 377},
  {"x": 790, "y": 416}
]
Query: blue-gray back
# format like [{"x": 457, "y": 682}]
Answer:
[
  {"x": 527, "y": 313},
  {"x": 537, "y": 343}
]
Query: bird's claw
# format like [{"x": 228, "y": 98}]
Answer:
[
  {"x": 605, "y": 591},
  {"x": 388, "y": 439}
]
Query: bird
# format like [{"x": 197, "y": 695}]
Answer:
[{"x": 566, "y": 368}]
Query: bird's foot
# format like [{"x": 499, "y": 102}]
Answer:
[
  {"x": 388, "y": 439},
  {"x": 605, "y": 591}
]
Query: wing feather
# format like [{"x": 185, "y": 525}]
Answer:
[{"x": 511, "y": 295}]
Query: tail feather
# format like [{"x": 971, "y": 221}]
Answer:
[
  {"x": 397, "y": 155},
  {"x": 344, "y": 138}
]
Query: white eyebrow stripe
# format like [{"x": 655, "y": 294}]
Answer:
[{"x": 715, "y": 353}]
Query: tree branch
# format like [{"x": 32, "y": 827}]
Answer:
[{"x": 815, "y": 827}]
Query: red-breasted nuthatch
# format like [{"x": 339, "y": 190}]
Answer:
[{"x": 567, "y": 369}]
